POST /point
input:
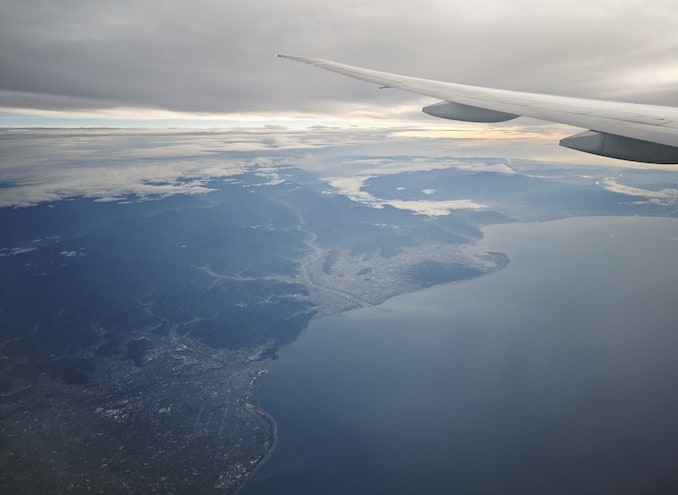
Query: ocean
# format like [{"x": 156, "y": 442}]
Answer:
[{"x": 554, "y": 375}]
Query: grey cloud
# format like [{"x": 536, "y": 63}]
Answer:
[{"x": 219, "y": 56}]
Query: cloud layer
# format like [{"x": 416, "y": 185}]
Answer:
[
  {"x": 116, "y": 164},
  {"x": 664, "y": 197},
  {"x": 219, "y": 55}
]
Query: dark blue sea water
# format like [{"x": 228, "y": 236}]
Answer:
[{"x": 558, "y": 374}]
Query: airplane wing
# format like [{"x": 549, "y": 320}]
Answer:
[{"x": 628, "y": 131}]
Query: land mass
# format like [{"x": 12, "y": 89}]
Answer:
[{"x": 133, "y": 332}]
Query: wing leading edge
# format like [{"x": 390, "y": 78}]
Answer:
[{"x": 628, "y": 131}]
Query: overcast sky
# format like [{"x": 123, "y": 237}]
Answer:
[{"x": 218, "y": 56}]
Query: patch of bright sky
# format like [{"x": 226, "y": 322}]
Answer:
[
  {"x": 344, "y": 115},
  {"x": 405, "y": 124},
  {"x": 150, "y": 120},
  {"x": 525, "y": 138}
]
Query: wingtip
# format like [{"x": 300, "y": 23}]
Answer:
[{"x": 295, "y": 57}]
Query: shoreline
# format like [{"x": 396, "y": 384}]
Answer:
[
  {"x": 506, "y": 261},
  {"x": 273, "y": 440},
  {"x": 552, "y": 235},
  {"x": 319, "y": 315},
  {"x": 273, "y": 425}
]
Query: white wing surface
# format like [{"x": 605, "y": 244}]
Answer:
[{"x": 628, "y": 131}]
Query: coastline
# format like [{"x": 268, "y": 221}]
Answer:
[
  {"x": 519, "y": 257},
  {"x": 501, "y": 261},
  {"x": 273, "y": 439}
]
